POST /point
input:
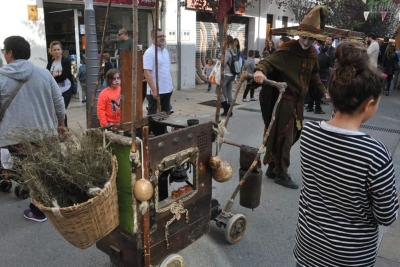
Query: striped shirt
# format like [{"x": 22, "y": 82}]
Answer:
[
  {"x": 348, "y": 189},
  {"x": 164, "y": 68}
]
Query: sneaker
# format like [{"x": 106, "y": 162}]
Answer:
[
  {"x": 245, "y": 100},
  {"x": 208, "y": 89},
  {"x": 286, "y": 181},
  {"x": 310, "y": 109},
  {"x": 253, "y": 99},
  {"x": 319, "y": 112},
  {"x": 30, "y": 216}
]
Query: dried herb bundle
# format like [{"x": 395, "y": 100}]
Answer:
[{"x": 62, "y": 172}]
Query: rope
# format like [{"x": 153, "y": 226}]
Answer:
[{"x": 176, "y": 209}]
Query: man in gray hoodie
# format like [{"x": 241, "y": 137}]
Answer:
[{"x": 38, "y": 104}]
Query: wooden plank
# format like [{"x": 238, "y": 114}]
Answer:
[{"x": 126, "y": 85}]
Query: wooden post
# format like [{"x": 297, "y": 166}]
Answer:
[{"x": 146, "y": 216}]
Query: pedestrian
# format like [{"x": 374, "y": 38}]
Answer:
[
  {"x": 373, "y": 49},
  {"x": 348, "y": 176},
  {"x": 396, "y": 81},
  {"x": 207, "y": 71},
  {"x": 82, "y": 79},
  {"x": 282, "y": 40},
  {"x": 109, "y": 102},
  {"x": 249, "y": 66},
  {"x": 239, "y": 56},
  {"x": 382, "y": 50},
  {"x": 60, "y": 68},
  {"x": 229, "y": 77},
  {"x": 257, "y": 56},
  {"x": 314, "y": 95},
  {"x": 389, "y": 60},
  {"x": 125, "y": 43},
  {"x": 106, "y": 67},
  {"x": 37, "y": 104},
  {"x": 270, "y": 47},
  {"x": 295, "y": 63},
  {"x": 164, "y": 78},
  {"x": 331, "y": 51}
]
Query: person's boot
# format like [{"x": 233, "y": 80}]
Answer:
[
  {"x": 270, "y": 172},
  {"x": 226, "y": 108},
  {"x": 286, "y": 181}
]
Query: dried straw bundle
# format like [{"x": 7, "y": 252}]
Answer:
[{"x": 62, "y": 174}]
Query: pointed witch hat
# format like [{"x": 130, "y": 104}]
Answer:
[{"x": 313, "y": 24}]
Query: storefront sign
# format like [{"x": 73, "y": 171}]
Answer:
[
  {"x": 32, "y": 12},
  {"x": 146, "y": 3}
]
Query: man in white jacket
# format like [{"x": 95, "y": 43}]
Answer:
[
  {"x": 373, "y": 49},
  {"x": 38, "y": 104}
]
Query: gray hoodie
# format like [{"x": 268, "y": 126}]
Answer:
[{"x": 38, "y": 104}]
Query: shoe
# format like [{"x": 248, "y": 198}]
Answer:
[
  {"x": 310, "y": 109},
  {"x": 253, "y": 99},
  {"x": 84, "y": 101},
  {"x": 172, "y": 111},
  {"x": 270, "y": 173},
  {"x": 208, "y": 89},
  {"x": 30, "y": 216},
  {"x": 286, "y": 181},
  {"x": 386, "y": 92},
  {"x": 319, "y": 112},
  {"x": 245, "y": 100},
  {"x": 305, "y": 105}
]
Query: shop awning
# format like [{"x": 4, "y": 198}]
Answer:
[{"x": 328, "y": 31}]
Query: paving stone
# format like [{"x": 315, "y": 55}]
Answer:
[
  {"x": 389, "y": 248},
  {"x": 380, "y": 262}
]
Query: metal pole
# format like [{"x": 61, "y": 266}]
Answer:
[
  {"x": 156, "y": 59},
  {"x": 179, "y": 18},
  {"x": 78, "y": 51},
  {"x": 93, "y": 98},
  {"x": 134, "y": 71},
  {"x": 92, "y": 63}
]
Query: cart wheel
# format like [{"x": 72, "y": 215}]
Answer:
[
  {"x": 173, "y": 260},
  {"x": 235, "y": 228},
  {"x": 5, "y": 185},
  {"x": 24, "y": 193},
  {"x": 17, "y": 189}
]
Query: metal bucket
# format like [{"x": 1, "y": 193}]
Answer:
[{"x": 250, "y": 192}]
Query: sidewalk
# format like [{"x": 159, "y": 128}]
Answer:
[{"x": 186, "y": 102}]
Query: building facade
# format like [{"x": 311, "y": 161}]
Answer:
[{"x": 190, "y": 37}]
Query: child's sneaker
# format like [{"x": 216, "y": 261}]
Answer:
[
  {"x": 245, "y": 100},
  {"x": 30, "y": 216},
  {"x": 208, "y": 89},
  {"x": 253, "y": 99}
]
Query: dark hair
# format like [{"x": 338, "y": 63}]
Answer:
[
  {"x": 325, "y": 49},
  {"x": 285, "y": 39},
  {"x": 238, "y": 45},
  {"x": 21, "y": 49},
  {"x": 330, "y": 37},
  {"x": 386, "y": 39},
  {"x": 371, "y": 35},
  {"x": 353, "y": 79},
  {"x": 257, "y": 54},
  {"x": 390, "y": 51},
  {"x": 53, "y": 44},
  {"x": 110, "y": 76},
  {"x": 154, "y": 31},
  {"x": 251, "y": 53}
]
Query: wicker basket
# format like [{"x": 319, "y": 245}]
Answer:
[{"x": 85, "y": 224}]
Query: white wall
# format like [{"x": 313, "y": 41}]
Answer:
[
  {"x": 258, "y": 22},
  {"x": 14, "y": 21}
]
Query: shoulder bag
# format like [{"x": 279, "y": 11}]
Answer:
[{"x": 9, "y": 100}]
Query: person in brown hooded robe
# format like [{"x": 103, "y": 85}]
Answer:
[{"x": 296, "y": 63}]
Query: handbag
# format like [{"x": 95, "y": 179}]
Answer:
[
  {"x": 9, "y": 100},
  {"x": 215, "y": 75}
]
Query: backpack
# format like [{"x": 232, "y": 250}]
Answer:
[
  {"x": 82, "y": 73},
  {"x": 234, "y": 64}
]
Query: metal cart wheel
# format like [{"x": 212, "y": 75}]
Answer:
[
  {"x": 5, "y": 185},
  {"x": 235, "y": 228},
  {"x": 173, "y": 260}
]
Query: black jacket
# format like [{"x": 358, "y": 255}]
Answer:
[
  {"x": 66, "y": 72},
  {"x": 325, "y": 63}
]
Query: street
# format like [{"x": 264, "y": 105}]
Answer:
[{"x": 270, "y": 234}]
